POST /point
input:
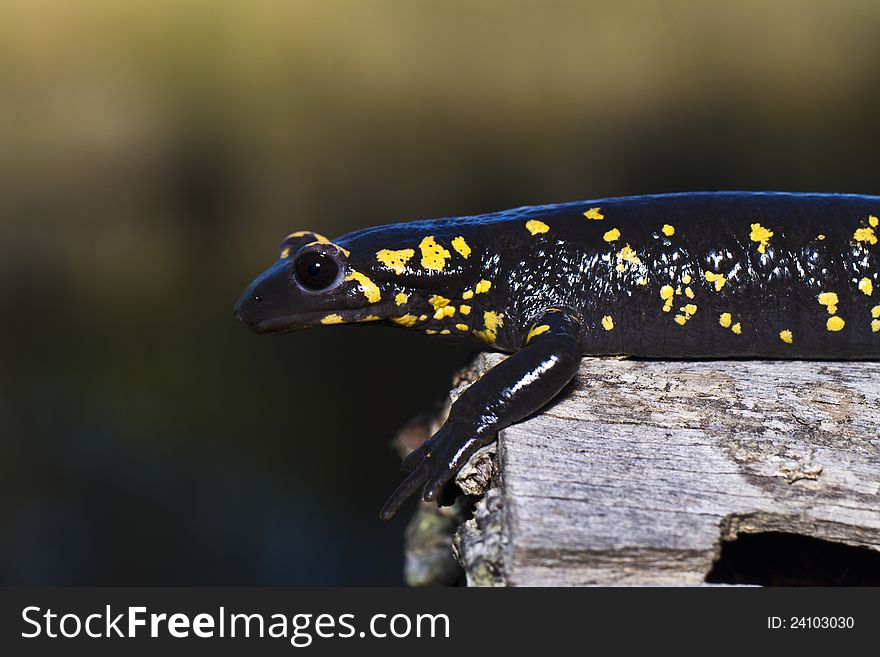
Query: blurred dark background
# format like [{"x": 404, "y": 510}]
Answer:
[{"x": 153, "y": 154}]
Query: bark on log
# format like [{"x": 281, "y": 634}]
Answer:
[{"x": 643, "y": 469}]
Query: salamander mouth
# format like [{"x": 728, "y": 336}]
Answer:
[
  {"x": 274, "y": 326},
  {"x": 299, "y": 321},
  {"x": 284, "y": 324}
]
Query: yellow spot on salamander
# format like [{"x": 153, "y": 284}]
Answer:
[
  {"x": 445, "y": 311},
  {"x": 875, "y": 325},
  {"x": 487, "y": 336},
  {"x": 612, "y": 235},
  {"x": 464, "y": 309},
  {"x": 395, "y": 260},
  {"x": 865, "y": 235},
  {"x": 537, "y": 330},
  {"x": 786, "y": 336},
  {"x": 820, "y": 237},
  {"x": 433, "y": 255},
  {"x": 829, "y": 300},
  {"x": 718, "y": 279},
  {"x": 462, "y": 327},
  {"x": 422, "y": 318},
  {"x": 608, "y": 322},
  {"x": 668, "y": 230},
  {"x": 535, "y": 227},
  {"x": 441, "y": 307},
  {"x": 405, "y": 320},
  {"x": 480, "y": 288},
  {"x": 368, "y": 287},
  {"x": 320, "y": 239},
  {"x": 762, "y": 236},
  {"x": 467, "y": 294},
  {"x": 688, "y": 292},
  {"x": 401, "y": 298},
  {"x": 689, "y": 311},
  {"x": 642, "y": 281},
  {"x": 460, "y": 245},
  {"x": 332, "y": 319},
  {"x": 595, "y": 214},
  {"x": 686, "y": 279},
  {"x": 666, "y": 293},
  {"x": 726, "y": 319},
  {"x": 437, "y": 301},
  {"x": 430, "y": 332},
  {"x": 873, "y": 220},
  {"x": 627, "y": 254},
  {"x": 285, "y": 252},
  {"x": 866, "y": 286},
  {"x": 835, "y": 324},
  {"x": 493, "y": 320},
  {"x": 370, "y": 318},
  {"x": 875, "y": 312},
  {"x": 445, "y": 332}
]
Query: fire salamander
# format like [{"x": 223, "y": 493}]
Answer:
[{"x": 699, "y": 275}]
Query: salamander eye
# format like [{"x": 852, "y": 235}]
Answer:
[{"x": 316, "y": 271}]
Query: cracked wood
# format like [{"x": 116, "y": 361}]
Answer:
[{"x": 641, "y": 468}]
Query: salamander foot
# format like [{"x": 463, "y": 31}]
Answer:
[{"x": 432, "y": 467}]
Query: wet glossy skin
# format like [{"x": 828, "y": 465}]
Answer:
[{"x": 702, "y": 275}]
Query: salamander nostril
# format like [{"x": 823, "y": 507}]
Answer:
[{"x": 258, "y": 298}]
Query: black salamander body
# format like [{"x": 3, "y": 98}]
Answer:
[{"x": 701, "y": 275}]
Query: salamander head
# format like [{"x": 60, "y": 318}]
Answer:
[{"x": 317, "y": 282}]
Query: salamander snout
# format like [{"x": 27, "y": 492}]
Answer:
[
  {"x": 241, "y": 307},
  {"x": 265, "y": 300}
]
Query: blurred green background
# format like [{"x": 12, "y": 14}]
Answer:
[{"x": 153, "y": 154}]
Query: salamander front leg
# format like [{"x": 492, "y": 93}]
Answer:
[{"x": 509, "y": 392}]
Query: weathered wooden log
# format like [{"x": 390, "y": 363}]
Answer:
[{"x": 643, "y": 470}]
